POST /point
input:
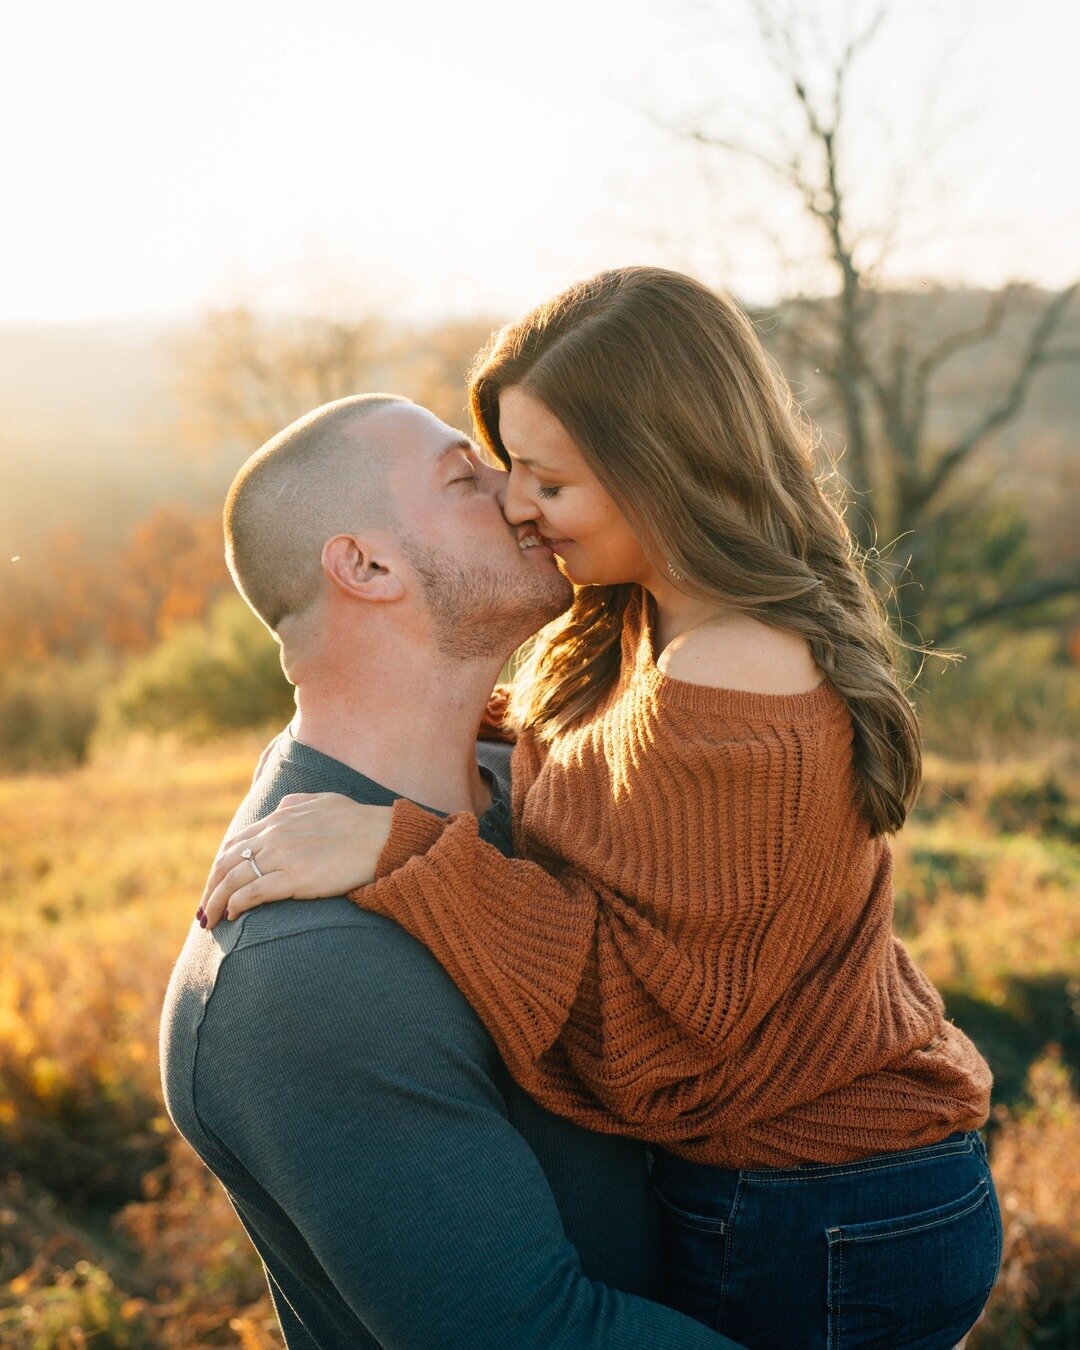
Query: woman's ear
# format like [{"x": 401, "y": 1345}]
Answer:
[{"x": 352, "y": 565}]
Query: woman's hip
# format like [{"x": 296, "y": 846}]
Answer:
[{"x": 897, "y": 1249}]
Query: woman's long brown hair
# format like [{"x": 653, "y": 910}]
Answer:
[{"x": 669, "y": 395}]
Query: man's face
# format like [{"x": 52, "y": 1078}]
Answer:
[{"x": 485, "y": 594}]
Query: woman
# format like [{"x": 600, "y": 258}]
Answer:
[{"x": 694, "y": 946}]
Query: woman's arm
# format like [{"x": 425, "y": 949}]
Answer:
[
  {"x": 563, "y": 967},
  {"x": 548, "y": 960},
  {"x": 514, "y": 938},
  {"x": 493, "y": 724}
]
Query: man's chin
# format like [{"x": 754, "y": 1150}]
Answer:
[
  {"x": 484, "y": 611},
  {"x": 559, "y": 596},
  {"x": 540, "y": 605}
]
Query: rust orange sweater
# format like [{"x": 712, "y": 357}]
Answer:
[{"x": 694, "y": 946}]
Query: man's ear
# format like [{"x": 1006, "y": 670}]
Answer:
[{"x": 351, "y": 563}]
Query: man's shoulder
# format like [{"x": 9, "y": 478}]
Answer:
[
  {"x": 287, "y": 958},
  {"x": 288, "y": 765},
  {"x": 320, "y": 984},
  {"x": 297, "y": 961}
]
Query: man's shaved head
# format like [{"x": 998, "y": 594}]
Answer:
[{"x": 318, "y": 478}]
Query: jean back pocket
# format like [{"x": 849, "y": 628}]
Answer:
[{"x": 918, "y": 1281}]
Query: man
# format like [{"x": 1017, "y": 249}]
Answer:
[{"x": 400, "y": 1188}]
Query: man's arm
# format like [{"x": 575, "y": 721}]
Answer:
[{"x": 355, "y": 1084}]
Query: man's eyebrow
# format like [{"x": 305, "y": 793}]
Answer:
[{"x": 463, "y": 443}]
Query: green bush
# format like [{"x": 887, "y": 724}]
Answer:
[
  {"x": 1013, "y": 693},
  {"x": 1038, "y": 804},
  {"x": 48, "y": 713},
  {"x": 82, "y": 1307},
  {"x": 203, "y": 679}
]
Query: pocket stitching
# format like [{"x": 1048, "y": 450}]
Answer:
[
  {"x": 836, "y": 1292},
  {"x": 728, "y": 1244},
  {"x": 836, "y": 1240},
  {"x": 700, "y": 1223},
  {"x": 838, "y": 1235},
  {"x": 998, "y": 1231}
]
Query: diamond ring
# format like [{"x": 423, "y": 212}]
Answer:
[{"x": 248, "y": 856}]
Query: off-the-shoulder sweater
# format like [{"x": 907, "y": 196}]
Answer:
[{"x": 694, "y": 945}]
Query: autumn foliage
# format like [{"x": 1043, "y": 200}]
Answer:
[
  {"x": 72, "y": 598},
  {"x": 112, "y": 1233}
]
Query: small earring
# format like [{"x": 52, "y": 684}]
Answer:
[{"x": 675, "y": 576}]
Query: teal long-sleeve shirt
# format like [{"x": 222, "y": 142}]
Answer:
[{"x": 400, "y": 1188}]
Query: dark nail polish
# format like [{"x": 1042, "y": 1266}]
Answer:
[
  {"x": 202, "y": 922},
  {"x": 199, "y": 912},
  {"x": 226, "y": 915}
]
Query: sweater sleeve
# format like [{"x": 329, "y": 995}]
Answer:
[
  {"x": 590, "y": 998},
  {"x": 493, "y": 724},
  {"x": 514, "y": 938}
]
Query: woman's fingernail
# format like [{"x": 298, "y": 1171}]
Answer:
[
  {"x": 227, "y": 915},
  {"x": 199, "y": 912},
  {"x": 202, "y": 922}
]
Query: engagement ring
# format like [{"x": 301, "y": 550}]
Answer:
[{"x": 247, "y": 856}]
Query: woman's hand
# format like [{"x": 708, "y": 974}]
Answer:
[{"x": 315, "y": 844}]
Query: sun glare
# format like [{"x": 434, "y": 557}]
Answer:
[{"x": 471, "y": 158}]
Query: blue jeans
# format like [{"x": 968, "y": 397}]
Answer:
[{"x": 895, "y": 1250}]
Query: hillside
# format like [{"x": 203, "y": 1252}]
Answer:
[
  {"x": 90, "y": 435},
  {"x": 86, "y": 432}
]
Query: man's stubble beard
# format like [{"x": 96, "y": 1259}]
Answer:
[{"x": 481, "y": 611}]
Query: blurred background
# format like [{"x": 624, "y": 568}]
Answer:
[{"x": 220, "y": 216}]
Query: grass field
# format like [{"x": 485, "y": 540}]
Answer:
[{"x": 112, "y": 1234}]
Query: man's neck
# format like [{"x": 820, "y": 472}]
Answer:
[{"x": 411, "y": 728}]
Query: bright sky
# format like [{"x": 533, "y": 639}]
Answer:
[{"x": 157, "y": 159}]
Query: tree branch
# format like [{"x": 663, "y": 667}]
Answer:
[
  {"x": 1064, "y": 582},
  {"x": 967, "y": 337},
  {"x": 1034, "y": 358}
]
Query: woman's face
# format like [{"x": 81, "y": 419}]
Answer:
[{"x": 551, "y": 485}]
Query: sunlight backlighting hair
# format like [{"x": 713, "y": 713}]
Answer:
[
  {"x": 317, "y": 478},
  {"x": 691, "y": 429}
]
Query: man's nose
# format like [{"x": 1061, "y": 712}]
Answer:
[{"x": 494, "y": 481}]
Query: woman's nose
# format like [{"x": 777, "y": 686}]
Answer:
[{"x": 516, "y": 505}]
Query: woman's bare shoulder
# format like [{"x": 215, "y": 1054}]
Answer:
[{"x": 744, "y": 654}]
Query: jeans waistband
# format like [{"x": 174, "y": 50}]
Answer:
[{"x": 673, "y": 1167}]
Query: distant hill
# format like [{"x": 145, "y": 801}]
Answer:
[
  {"x": 88, "y": 424},
  {"x": 86, "y": 431},
  {"x": 979, "y": 375},
  {"x": 72, "y": 391}
]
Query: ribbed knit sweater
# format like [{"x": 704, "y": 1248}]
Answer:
[{"x": 694, "y": 945}]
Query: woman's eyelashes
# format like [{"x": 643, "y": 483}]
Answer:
[{"x": 547, "y": 492}]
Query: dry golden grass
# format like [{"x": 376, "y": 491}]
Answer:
[
  {"x": 102, "y": 869},
  {"x": 113, "y": 1234}
]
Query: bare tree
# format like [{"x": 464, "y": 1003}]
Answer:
[
  {"x": 879, "y": 373},
  {"x": 243, "y": 374}
]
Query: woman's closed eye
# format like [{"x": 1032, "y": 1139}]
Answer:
[{"x": 547, "y": 492}]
